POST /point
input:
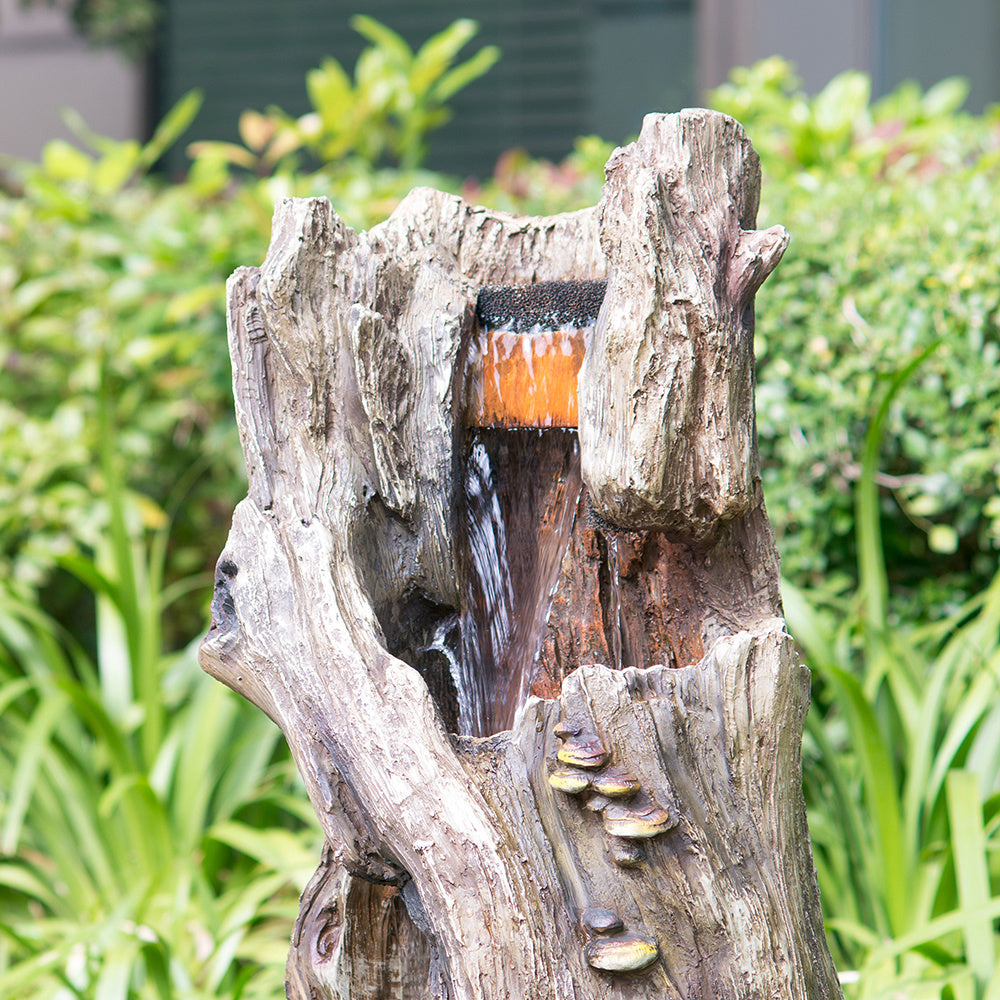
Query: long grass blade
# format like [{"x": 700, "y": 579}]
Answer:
[
  {"x": 868, "y": 522},
  {"x": 860, "y": 861},
  {"x": 880, "y": 792},
  {"x": 979, "y": 700},
  {"x": 36, "y": 738},
  {"x": 968, "y": 846},
  {"x": 931, "y": 931}
]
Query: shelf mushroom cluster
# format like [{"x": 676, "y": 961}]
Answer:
[{"x": 630, "y": 816}]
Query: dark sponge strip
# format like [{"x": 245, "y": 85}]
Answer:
[{"x": 552, "y": 305}]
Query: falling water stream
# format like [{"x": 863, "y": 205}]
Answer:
[
  {"x": 522, "y": 496},
  {"x": 614, "y": 623},
  {"x": 489, "y": 596},
  {"x": 522, "y": 491}
]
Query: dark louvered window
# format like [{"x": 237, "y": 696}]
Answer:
[{"x": 569, "y": 67}]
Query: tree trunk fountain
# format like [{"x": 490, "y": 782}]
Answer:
[{"x": 505, "y": 580}]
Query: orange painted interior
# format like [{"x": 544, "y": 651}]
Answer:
[{"x": 527, "y": 379}]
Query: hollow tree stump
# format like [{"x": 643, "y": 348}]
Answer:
[{"x": 534, "y": 676}]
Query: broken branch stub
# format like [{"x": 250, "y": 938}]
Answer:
[
  {"x": 666, "y": 388},
  {"x": 542, "y": 701}
]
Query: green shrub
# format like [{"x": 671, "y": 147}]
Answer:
[
  {"x": 152, "y": 835},
  {"x": 902, "y": 769},
  {"x": 528, "y": 186},
  {"x": 110, "y": 289},
  {"x": 894, "y": 213},
  {"x": 397, "y": 98}
]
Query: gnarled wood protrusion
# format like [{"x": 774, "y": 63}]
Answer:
[
  {"x": 666, "y": 388},
  {"x": 632, "y": 833}
]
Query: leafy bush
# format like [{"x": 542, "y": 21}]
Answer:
[
  {"x": 397, "y": 99},
  {"x": 134, "y": 787},
  {"x": 902, "y": 769},
  {"x": 894, "y": 211},
  {"x": 110, "y": 294},
  {"x": 528, "y": 186}
]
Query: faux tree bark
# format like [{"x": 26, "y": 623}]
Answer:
[{"x": 536, "y": 681}]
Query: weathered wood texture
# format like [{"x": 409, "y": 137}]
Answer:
[{"x": 647, "y": 818}]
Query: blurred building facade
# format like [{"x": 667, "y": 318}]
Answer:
[
  {"x": 569, "y": 67},
  {"x": 45, "y": 66}
]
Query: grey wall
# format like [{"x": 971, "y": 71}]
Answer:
[
  {"x": 569, "y": 67},
  {"x": 927, "y": 40},
  {"x": 822, "y": 37},
  {"x": 643, "y": 61},
  {"x": 892, "y": 40},
  {"x": 45, "y": 67}
]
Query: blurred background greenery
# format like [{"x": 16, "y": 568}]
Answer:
[{"x": 153, "y": 837}]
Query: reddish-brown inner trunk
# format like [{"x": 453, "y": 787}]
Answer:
[{"x": 547, "y": 585}]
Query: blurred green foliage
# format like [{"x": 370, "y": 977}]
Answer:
[
  {"x": 894, "y": 211},
  {"x": 901, "y": 766},
  {"x": 397, "y": 98},
  {"x": 110, "y": 279},
  {"x": 528, "y": 186},
  {"x": 153, "y": 837}
]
